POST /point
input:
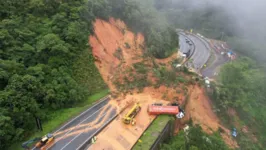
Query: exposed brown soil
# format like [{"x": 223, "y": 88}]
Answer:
[
  {"x": 107, "y": 39},
  {"x": 113, "y": 35},
  {"x": 199, "y": 109},
  {"x": 110, "y": 36},
  {"x": 120, "y": 136}
]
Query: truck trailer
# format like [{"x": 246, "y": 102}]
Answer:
[{"x": 159, "y": 110}]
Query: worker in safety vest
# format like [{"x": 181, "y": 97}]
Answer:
[{"x": 93, "y": 140}]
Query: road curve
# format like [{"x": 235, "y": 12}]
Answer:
[
  {"x": 74, "y": 134},
  {"x": 201, "y": 54}
]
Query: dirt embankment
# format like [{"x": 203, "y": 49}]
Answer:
[
  {"x": 116, "y": 50},
  {"x": 199, "y": 109},
  {"x": 112, "y": 39}
]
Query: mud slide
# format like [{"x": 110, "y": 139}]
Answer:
[
  {"x": 86, "y": 127},
  {"x": 117, "y": 135},
  {"x": 116, "y": 49},
  {"x": 200, "y": 111}
]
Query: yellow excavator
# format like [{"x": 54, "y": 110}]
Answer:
[{"x": 129, "y": 117}]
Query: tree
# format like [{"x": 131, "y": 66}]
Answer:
[{"x": 195, "y": 139}]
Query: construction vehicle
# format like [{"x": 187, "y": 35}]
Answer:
[
  {"x": 129, "y": 117},
  {"x": 48, "y": 138},
  {"x": 25, "y": 144}
]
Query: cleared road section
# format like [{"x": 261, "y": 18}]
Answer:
[{"x": 201, "y": 54}]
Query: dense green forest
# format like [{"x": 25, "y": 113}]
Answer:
[
  {"x": 45, "y": 61},
  {"x": 195, "y": 139},
  {"x": 40, "y": 43},
  {"x": 242, "y": 87}
]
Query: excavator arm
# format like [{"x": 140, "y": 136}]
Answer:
[{"x": 25, "y": 144}]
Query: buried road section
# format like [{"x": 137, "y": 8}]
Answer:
[
  {"x": 119, "y": 136},
  {"x": 80, "y": 129}
]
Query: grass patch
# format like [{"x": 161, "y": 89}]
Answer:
[
  {"x": 59, "y": 117},
  {"x": 151, "y": 134}
]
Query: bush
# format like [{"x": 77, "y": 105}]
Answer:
[
  {"x": 118, "y": 53},
  {"x": 195, "y": 138},
  {"x": 127, "y": 45}
]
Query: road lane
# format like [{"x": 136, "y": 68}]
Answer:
[
  {"x": 201, "y": 54},
  {"x": 63, "y": 140},
  {"x": 184, "y": 46},
  {"x": 82, "y": 134},
  {"x": 79, "y": 129},
  {"x": 87, "y": 113}
]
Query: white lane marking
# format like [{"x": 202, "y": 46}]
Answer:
[
  {"x": 96, "y": 131},
  {"x": 81, "y": 122},
  {"x": 78, "y": 135},
  {"x": 101, "y": 100}
]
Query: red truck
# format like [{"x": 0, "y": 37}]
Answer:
[{"x": 159, "y": 110}]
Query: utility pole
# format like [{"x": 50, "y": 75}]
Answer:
[{"x": 38, "y": 123}]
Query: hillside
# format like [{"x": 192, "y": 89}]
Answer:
[{"x": 133, "y": 77}]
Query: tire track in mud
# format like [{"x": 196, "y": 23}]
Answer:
[
  {"x": 97, "y": 123},
  {"x": 82, "y": 125}
]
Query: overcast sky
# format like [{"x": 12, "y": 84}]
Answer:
[{"x": 249, "y": 15}]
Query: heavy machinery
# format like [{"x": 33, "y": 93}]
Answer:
[
  {"x": 129, "y": 117},
  {"x": 48, "y": 138},
  {"x": 25, "y": 144}
]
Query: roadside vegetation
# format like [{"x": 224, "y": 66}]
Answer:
[
  {"x": 151, "y": 134},
  {"x": 61, "y": 116},
  {"x": 195, "y": 139},
  {"x": 241, "y": 88},
  {"x": 40, "y": 43}
]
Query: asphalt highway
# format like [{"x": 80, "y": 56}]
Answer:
[
  {"x": 201, "y": 53},
  {"x": 184, "y": 47},
  {"x": 74, "y": 134},
  {"x": 211, "y": 70}
]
